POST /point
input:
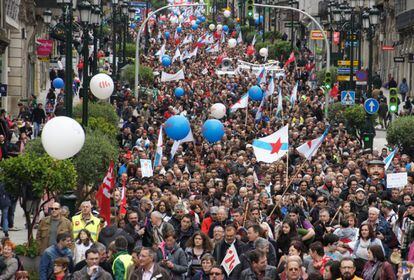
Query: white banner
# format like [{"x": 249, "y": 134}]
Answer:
[
  {"x": 146, "y": 168},
  {"x": 397, "y": 180},
  {"x": 231, "y": 259},
  {"x": 166, "y": 77}
]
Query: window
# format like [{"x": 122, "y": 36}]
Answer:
[
  {"x": 12, "y": 9},
  {"x": 400, "y": 6}
]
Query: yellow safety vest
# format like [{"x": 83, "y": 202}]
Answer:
[
  {"x": 126, "y": 260},
  {"x": 93, "y": 226}
]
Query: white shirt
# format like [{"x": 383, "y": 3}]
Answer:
[{"x": 146, "y": 275}]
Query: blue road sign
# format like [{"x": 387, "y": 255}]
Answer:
[
  {"x": 348, "y": 97},
  {"x": 371, "y": 105}
]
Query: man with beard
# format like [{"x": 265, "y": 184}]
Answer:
[
  {"x": 347, "y": 268},
  {"x": 134, "y": 228}
]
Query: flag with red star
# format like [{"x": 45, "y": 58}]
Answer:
[
  {"x": 272, "y": 147},
  {"x": 309, "y": 148}
]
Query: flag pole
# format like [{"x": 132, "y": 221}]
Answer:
[
  {"x": 247, "y": 113},
  {"x": 294, "y": 176}
]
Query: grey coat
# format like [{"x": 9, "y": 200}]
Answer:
[
  {"x": 178, "y": 258},
  {"x": 83, "y": 274},
  {"x": 248, "y": 274},
  {"x": 10, "y": 270}
]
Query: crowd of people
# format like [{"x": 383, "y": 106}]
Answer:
[{"x": 212, "y": 211}]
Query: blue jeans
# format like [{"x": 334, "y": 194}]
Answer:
[
  {"x": 36, "y": 129},
  {"x": 5, "y": 220}
]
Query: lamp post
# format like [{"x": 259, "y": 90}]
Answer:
[
  {"x": 67, "y": 6},
  {"x": 95, "y": 21},
  {"x": 114, "y": 52},
  {"x": 293, "y": 4},
  {"x": 85, "y": 11},
  {"x": 369, "y": 21}
]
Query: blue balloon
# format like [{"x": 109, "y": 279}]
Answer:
[
  {"x": 194, "y": 27},
  {"x": 203, "y": 19},
  {"x": 166, "y": 61},
  {"x": 200, "y": 18},
  {"x": 255, "y": 93},
  {"x": 213, "y": 130},
  {"x": 132, "y": 25},
  {"x": 225, "y": 28},
  {"x": 261, "y": 19},
  {"x": 58, "y": 83},
  {"x": 179, "y": 92},
  {"x": 198, "y": 21},
  {"x": 179, "y": 29},
  {"x": 177, "y": 127},
  {"x": 167, "y": 35},
  {"x": 256, "y": 21}
]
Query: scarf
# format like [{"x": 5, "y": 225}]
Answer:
[{"x": 371, "y": 272}]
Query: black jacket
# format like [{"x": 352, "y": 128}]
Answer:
[{"x": 220, "y": 252}]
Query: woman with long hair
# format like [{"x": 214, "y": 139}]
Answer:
[
  {"x": 286, "y": 235},
  {"x": 366, "y": 239},
  {"x": 196, "y": 247},
  {"x": 165, "y": 209},
  {"x": 83, "y": 242},
  {"x": 377, "y": 267}
]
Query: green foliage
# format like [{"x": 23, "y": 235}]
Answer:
[
  {"x": 101, "y": 109},
  {"x": 272, "y": 36},
  {"x": 100, "y": 124},
  {"x": 354, "y": 117},
  {"x": 130, "y": 50},
  {"x": 400, "y": 133},
  {"x": 321, "y": 75},
  {"x": 29, "y": 249},
  {"x": 146, "y": 75},
  {"x": 93, "y": 160},
  {"x": 37, "y": 174},
  {"x": 276, "y": 50}
]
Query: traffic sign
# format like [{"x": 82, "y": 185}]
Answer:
[
  {"x": 399, "y": 59},
  {"x": 316, "y": 35},
  {"x": 387, "y": 48},
  {"x": 347, "y": 63},
  {"x": 361, "y": 75},
  {"x": 348, "y": 97},
  {"x": 371, "y": 105},
  {"x": 289, "y": 24}
]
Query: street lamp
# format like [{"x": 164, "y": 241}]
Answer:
[
  {"x": 370, "y": 20},
  {"x": 85, "y": 12},
  {"x": 114, "y": 52}
]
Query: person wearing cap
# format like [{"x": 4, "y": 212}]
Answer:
[
  {"x": 360, "y": 205},
  {"x": 390, "y": 216}
]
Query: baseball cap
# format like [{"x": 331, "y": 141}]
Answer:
[{"x": 360, "y": 190}]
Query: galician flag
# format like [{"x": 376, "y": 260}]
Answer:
[
  {"x": 309, "y": 149},
  {"x": 161, "y": 52},
  {"x": 188, "y": 138},
  {"x": 259, "y": 112},
  {"x": 158, "y": 154},
  {"x": 261, "y": 76},
  {"x": 389, "y": 158},
  {"x": 242, "y": 103},
  {"x": 213, "y": 48},
  {"x": 271, "y": 87},
  {"x": 294, "y": 95},
  {"x": 279, "y": 103},
  {"x": 271, "y": 148}
]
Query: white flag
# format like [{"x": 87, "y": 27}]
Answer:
[
  {"x": 161, "y": 52},
  {"x": 188, "y": 138},
  {"x": 242, "y": 103},
  {"x": 177, "y": 54},
  {"x": 240, "y": 38},
  {"x": 254, "y": 40},
  {"x": 158, "y": 155},
  {"x": 271, "y": 87},
  {"x": 231, "y": 259}
]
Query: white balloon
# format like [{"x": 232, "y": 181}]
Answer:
[
  {"x": 232, "y": 43},
  {"x": 174, "y": 19},
  {"x": 227, "y": 13},
  {"x": 218, "y": 110},
  {"x": 212, "y": 27},
  {"x": 219, "y": 27},
  {"x": 264, "y": 52},
  {"x": 102, "y": 86},
  {"x": 180, "y": 18},
  {"x": 62, "y": 137}
]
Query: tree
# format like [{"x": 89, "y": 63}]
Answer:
[
  {"x": 354, "y": 117},
  {"x": 101, "y": 109},
  {"x": 31, "y": 176},
  {"x": 146, "y": 75},
  {"x": 91, "y": 162},
  {"x": 400, "y": 133}
]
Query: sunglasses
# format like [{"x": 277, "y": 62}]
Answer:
[{"x": 55, "y": 208}]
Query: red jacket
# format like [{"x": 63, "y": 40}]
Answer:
[{"x": 205, "y": 225}]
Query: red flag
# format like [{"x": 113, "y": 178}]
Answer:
[
  {"x": 103, "y": 195},
  {"x": 122, "y": 209},
  {"x": 334, "y": 91},
  {"x": 250, "y": 50},
  {"x": 290, "y": 59}
]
